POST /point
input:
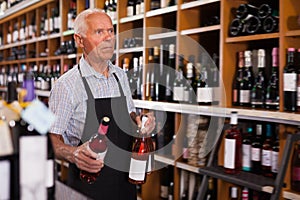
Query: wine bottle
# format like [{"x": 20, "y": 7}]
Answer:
[
  {"x": 246, "y": 146},
  {"x": 139, "y": 157},
  {"x": 270, "y": 24},
  {"x": 245, "y": 194},
  {"x": 295, "y": 168},
  {"x": 266, "y": 157},
  {"x": 247, "y": 81},
  {"x": 189, "y": 93},
  {"x": 298, "y": 80},
  {"x": 275, "y": 155},
  {"x": 272, "y": 91},
  {"x": 236, "y": 27},
  {"x": 97, "y": 144},
  {"x": 245, "y": 9},
  {"x": 170, "y": 74},
  {"x": 139, "y": 82},
  {"x": 178, "y": 86},
  {"x": 210, "y": 193},
  {"x": 204, "y": 91},
  {"x": 259, "y": 87},
  {"x": 264, "y": 11},
  {"x": 252, "y": 24},
  {"x": 130, "y": 8},
  {"x": 256, "y": 148},
  {"x": 290, "y": 82},
  {"x": 233, "y": 147},
  {"x": 237, "y": 81}
]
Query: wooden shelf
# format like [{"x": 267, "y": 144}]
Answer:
[
  {"x": 252, "y": 37},
  {"x": 131, "y": 18},
  {"x": 68, "y": 32},
  {"x": 294, "y": 33},
  {"x": 200, "y": 30},
  {"x": 161, "y": 11},
  {"x": 197, "y": 3},
  {"x": 248, "y": 114},
  {"x": 131, "y": 50},
  {"x": 187, "y": 167},
  {"x": 164, "y": 159},
  {"x": 163, "y": 35}
]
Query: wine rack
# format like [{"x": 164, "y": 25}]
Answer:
[{"x": 214, "y": 38}]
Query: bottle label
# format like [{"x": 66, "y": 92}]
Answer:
[
  {"x": 289, "y": 82},
  {"x": 50, "y": 173},
  {"x": 100, "y": 156},
  {"x": 296, "y": 173},
  {"x": 137, "y": 169},
  {"x": 245, "y": 96},
  {"x": 129, "y": 11},
  {"x": 164, "y": 191},
  {"x": 229, "y": 157},
  {"x": 266, "y": 157},
  {"x": 274, "y": 167},
  {"x": 235, "y": 96},
  {"x": 246, "y": 157},
  {"x": 204, "y": 94},
  {"x": 255, "y": 154},
  {"x": 178, "y": 93},
  {"x": 298, "y": 93}
]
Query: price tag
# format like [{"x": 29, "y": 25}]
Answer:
[
  {"x": 6, "y": 146},
  {"x": 38, "y": 115}
]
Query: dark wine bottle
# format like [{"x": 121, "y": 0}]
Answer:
[
  {"x": 178, "y": 86},
  {"x": 245, "y": 9},
  {"x": 264, "y": 11},
  {"x": 272, "y": 91},
  {"x": 266, "y": 157},
  {"x": 238, "y": 77},
  {"x": 233, "y": 147},
  {"x": 247, "y": 81},
  {"x": 290, "y": 82},
  {"x": 236, "y": 27},
  {"x": 252, "y": 24},
  {"x": 256, "y": 148},
  {"x": 275, "y": 156},
  {"x": 246, "y": 147},
  {"x": 270, "y": 24},
  {"x": 259, "y": 87}
]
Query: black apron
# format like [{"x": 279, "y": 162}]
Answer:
[{"x": 112, "y": 183}]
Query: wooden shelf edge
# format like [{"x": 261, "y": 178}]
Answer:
[
  {"x": 196, "y": 3},
  {"x": 131, "y": 18},
  {"x": 252, "y": 37},
  {"x": 163, "y": 35},
  {"x": 187, "y": 167},
  {"x": 161, "y": 11},
  {"x": 293, "y": 33},
  {"x": 131, "y": 50},
  {"x": 200, "y": 30},
  {"x": 215, "y": 111},
  {"x": 164, "y": 159}
]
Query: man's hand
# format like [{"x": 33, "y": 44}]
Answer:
[
  {"x": 85, "y": 159},
  {"x": 149, "y": 124}
]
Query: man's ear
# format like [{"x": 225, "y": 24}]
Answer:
[{"x": 78, "y": 39}]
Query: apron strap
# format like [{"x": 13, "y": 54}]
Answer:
[{"x": 120, "y": 87}]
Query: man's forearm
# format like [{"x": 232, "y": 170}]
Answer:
[{"x": 62, "y": 151}]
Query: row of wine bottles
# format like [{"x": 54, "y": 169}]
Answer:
[
  {"x": 245, "y": 193},
  {"x": 27, "y": 147},
  {"x": 6, "y": 4},
  {"x": 110, "y": 8},
  {"x": 250, "y": 19},
  {"x": 252, "y": 153}
]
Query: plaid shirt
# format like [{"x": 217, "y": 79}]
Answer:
[{"x": 68, "y": 98}]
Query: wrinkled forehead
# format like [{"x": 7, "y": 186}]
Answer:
[{"x": 98, "y": 20}]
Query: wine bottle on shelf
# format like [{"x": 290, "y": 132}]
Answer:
[
  {"x": 205, "y": 90},
  {"x": 266, "y": 157},
  {"x": 264, "y": 11},
  {"x": 246, "y": 146},
  {"x": 189, "y": 93},
  {"x": 295, "y": 168},
  {"x": 233, "y": 147},
  {"x": 298, "y": 79},
  {"x": 50, "y": 170},
  {"x": 290, "y": 82},
  {"x": 170, "y": 74},
  {"x": 247, "y": 82},
  {"x": 245, "y": 9},
  {"x": 252, "y": 24},
  {"x": 139, "y": 157},
  {"x": 245, "y": 194},
  {"x": 259, "y": 87},
  {"x": 270, "y": 24},
  {"x": 178, "y": 86},
  {"x": 139, "y": 90},
  {"x": 234, "y": 193},
  {"x": 130, "y": 8},
  {"x": 256, "y": 148},
  {"x": 236, "y": 27},
  {"x": 97, "y": 144},
  {"x": 237, "y": 81},
  {"x": 275, "y": 154},
  {"x": 272, "y": 91},
  {"x": 211, "y": 192}
]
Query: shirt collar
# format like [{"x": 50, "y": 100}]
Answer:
[{"x": 87, "y": 70}]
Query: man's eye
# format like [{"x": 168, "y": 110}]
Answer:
[{"x": 99, "y": 32}]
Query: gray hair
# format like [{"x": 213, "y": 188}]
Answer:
[{"x": 80, "y": 21}]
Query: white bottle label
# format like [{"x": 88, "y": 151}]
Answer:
[
  {"x": 274, "y": 167},
  {"x": 50, "y": 173},
  {"x": 245, "y": 96},
  {"x": 178, "y": 93},
  {"x": 289, "y": 82},
  {"x": 229, "y": 158},
  {"x": 204, "y": 95},
  {"x": 246, "y": 156},
  {"x": 5, "y": 179},
  {"x": 129, "y": 11},
  {"x": 266, "y": 158},
  {"x": 137, "y": 169},
  {"x": 255, "y": 154}
]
